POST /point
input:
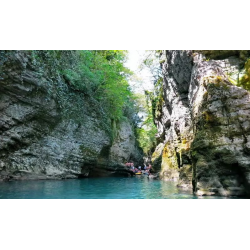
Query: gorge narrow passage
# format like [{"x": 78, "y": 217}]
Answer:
[{"x": 181, "y": 114}]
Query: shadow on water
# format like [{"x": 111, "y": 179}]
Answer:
[{"x": 138, "y": 187}]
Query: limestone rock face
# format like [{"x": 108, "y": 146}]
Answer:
[
  {"x": 205, "y": 123},
  {"x": 174, "y": 122},
  {"x": 125, "y": 142},
  {"x": 40, "y": 139}
]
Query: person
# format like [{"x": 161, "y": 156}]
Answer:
[
  {"x": 132, "y": 167},
  {"x": 145, "y": 167},
  {"x": 139, "y": 167},
  {"x": 149, "y": 168}
]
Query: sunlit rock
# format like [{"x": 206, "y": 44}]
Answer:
[{"x": 207, "y": 134}]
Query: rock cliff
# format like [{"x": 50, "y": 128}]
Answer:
[
  {"x": 203, "y": 122},
  {"x": 48, "y": 130}
]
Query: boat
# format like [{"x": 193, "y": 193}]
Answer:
[{"x": 138, "y": 173}]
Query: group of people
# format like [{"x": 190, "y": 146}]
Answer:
[{"x": 141, "y": 169}]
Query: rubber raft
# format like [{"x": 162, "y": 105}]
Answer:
[{"x": 140, "y": 173}]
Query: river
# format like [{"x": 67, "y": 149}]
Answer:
[{"x": 138, "y": 187}]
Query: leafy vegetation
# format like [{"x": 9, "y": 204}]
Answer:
[
  {"x": 151, "y": 102},
  {"x": 98, "y": 74},
  {"x": 102, "y": 74},
  {"x": 244, "y": 81},
  {"x": 145, "y": 130},
  {"x": 222, "y": 54}
]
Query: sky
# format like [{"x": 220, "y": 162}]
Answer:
[{"x": 143, "y": 81}]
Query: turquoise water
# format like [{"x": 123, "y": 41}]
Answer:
[{"x": 138, "y": 187}]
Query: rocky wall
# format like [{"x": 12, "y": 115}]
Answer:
[{"x": 43, "y": 138}]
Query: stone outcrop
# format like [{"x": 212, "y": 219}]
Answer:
[
  {"x": 123, "y": 143},
  {"x": 203, "y": 123},
  {"x": 43, "y": 137}
]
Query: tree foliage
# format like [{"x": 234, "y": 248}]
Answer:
[
  {"x": 102, "y": 74},
  {"x": 151, "y": 101},
  {"x": 146, "y": 130},
  {"x": 99, "y": 74}
]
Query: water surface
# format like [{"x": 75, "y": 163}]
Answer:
[{"x": 138, "y": 187}]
